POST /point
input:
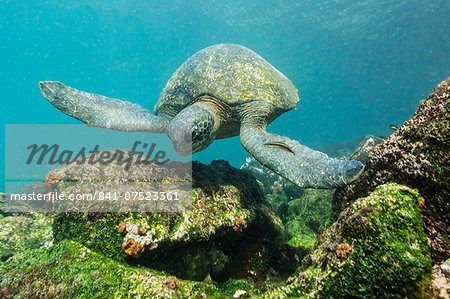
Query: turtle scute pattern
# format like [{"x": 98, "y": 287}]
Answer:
[{"x": 231, "y": 73}]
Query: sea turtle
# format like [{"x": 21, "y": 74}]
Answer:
[{"x": 222, "y": 91}]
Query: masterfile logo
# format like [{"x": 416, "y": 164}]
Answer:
[{"x": 78, "y": 168}]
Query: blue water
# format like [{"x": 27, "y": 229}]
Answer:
[{"x": 359, "y": 66}]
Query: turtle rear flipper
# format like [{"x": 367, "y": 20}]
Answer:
[
  {"x": 100, "y": 111},
  {"x": 301, "y": 165}
]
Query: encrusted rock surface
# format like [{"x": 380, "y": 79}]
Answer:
[
  {"x": 228, "y": 217},
  {"x": 440, "y": 285},
  {"x": 376, "y": 249},
  {"x": 24, "y": 231},
  {"x": 416, "y": 155},
  {"x": 2, "y": 205},
  {"x": 71, "y": 270},
  {"x": 304, "y": 218},
  {"x": 365, "y": 147},
  {"x": 21, "y": 231}
]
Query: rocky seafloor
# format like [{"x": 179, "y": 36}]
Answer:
[{"x": 248, "y": 233}]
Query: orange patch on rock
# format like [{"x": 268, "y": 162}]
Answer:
[
  {"x": 343, "y": 250},
  {"x": 52, "y": 179},
  {"x": 133, "y": 249}
]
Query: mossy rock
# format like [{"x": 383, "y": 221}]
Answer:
[
  {"x": 365, "y": 147},
  {"x": 2, "y": 203},
  {"x": 228, "y": 212},
  {"x": 415, "y": 155},
  {"x": 22, "y": 232},
  {"x": 377, "y": 249},
  {"x": 305, "y": 217},
  {"x": 71, "y": 270},
  {"x": 3, "y": 210}
]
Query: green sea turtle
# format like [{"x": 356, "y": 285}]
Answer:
[{"x": 222, "y": 91}]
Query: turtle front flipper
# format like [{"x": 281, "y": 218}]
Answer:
[
  {"x": 301, "y": 165},
  {"x": 100, "y": 111}
]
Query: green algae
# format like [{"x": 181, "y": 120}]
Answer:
[
  {"x": 100, "y": 231},
  {"x": 386, "y": 252},
  {"x": 95, "y": 230},
  {"x": 227, "y": 209},
  {"x": 305, "y": 217},
  {"x": 415, "y": 155},
  {"x": 22, "y": 232},
  {"x": 386, "y": 256},
  {"x": 71, "y": 270}
]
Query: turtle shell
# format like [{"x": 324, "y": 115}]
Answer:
[{"x": 228, "y": 72}]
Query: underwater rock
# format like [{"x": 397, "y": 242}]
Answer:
[
  {"x": 365, "y": 147},
  {"x": 227, "y": 213},
  {"x": 240, "y": 294},
  {"x": 270, "y": 181},
  {"x": 70, "y": 270},
  {"x": 22, "y": 232},
  {"x": 304, "y": 218},
  {"x": 376, "y": 249},
  {"x": 2, "y": 205},
  {"x": 380, "y": 262},
  {"x": 440, "y": 285},
  {"x": 415, "y": 155}
]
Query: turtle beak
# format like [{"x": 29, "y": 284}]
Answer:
[
  {"x": 181, "y": 139},
  {"x": 182, "y": 148}
]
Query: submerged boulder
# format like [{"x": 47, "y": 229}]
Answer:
[
  {"x": 24, "y": 231},
  {"x": 2, "y": 205},
  {"x": 415, "y": 155},
  {"x": 377, "y": 248},
  {"x": 365, "y": 147},
  {"x": 306, "y": 217},
  {"x": 71, "y": 270},
  {"x": 227, "y": 223},
  {"x": 440, "y": 285}
]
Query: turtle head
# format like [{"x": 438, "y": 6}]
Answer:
[{"x": 192, "y": 130}]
